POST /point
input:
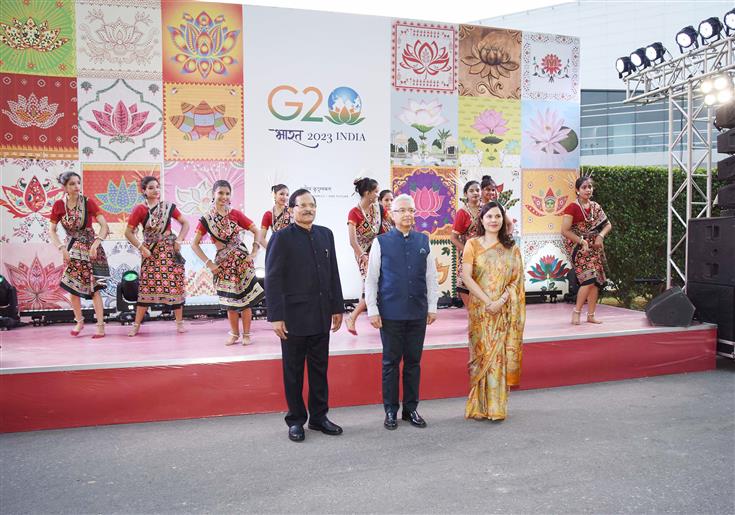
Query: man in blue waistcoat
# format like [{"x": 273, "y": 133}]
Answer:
[
  {"x": 401, "y": 292},
  {"x": 304, "y": 299}
]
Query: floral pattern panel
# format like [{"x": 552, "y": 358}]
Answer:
[
  {"x": 445, "y": 257},
  {"x": 188, "y": 184},
  {"x": 490, "y": 62},
  {"x": 29, "y": 189},
  {"x": 202, "y": 42},
  {"x": 119, "y": 39},
  {"x": 546, "y": 193},
  {"x": 35, "y": 269},
  {"x": 38, "y": 116},
  {"x": 546, "y": 263},
  {"x": 423, "y": 129},
  {"x": 508, "y": 182},
  {"x": 37, "y": 37},
  {"x": 434, "y": 191},
  {"x": 424, "y": 57},
  {"x": 120, "y": 120},
  {"x": 199, "y": 286},
  {"x": 550, "y": 134},
  {"x": 489, "y": 132},
  {"x": 115, "y": 187},
  {"x": 550, "y": 68},
  {"x": 203, "y": 122}
]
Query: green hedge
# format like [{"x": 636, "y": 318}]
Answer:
[{"x": 635, "y": 201}]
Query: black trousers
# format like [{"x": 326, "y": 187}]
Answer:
[
  {"x": 315, "y": 351},
  {"x": 402, "y": 339}
]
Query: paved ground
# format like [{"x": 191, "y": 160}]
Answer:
[{"x": 662, "y": 444}]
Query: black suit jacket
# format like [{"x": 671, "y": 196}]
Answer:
[{"x": 302, "y": 286}]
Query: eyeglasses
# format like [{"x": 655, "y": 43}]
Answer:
[{"x": 405, "y": 210}]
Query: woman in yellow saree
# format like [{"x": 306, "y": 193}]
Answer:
[{"x": 493, "y": 273}]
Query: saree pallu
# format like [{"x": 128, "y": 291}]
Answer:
[
  {"x": 495, "y": 339},
  {"x": 366, "y": 232},
  {"x": 589, "y": 265},
  {"x": 471, "y": 232},
  {"x": 162, "y": 274},
  {"x": 83, "y": 275},
  {"x": 281, "y": 221}
]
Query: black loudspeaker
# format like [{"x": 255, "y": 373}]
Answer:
[
  {"x": 711, "y": 249},
  {"x": 726, "y": 197},
  {"x": 715, "y": 303},
  {"x": 726, "y": 169},
  {"x": 672, "y": 309},
  {"x": 726, "y": 142}
]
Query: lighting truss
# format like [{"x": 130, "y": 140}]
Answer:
[{"x": 677, "y": 82}]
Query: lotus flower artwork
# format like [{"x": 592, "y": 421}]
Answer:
[
  {"x": 118, "y": 42},
  {"x": 424, "y": 117},
  {"x": 30, "y": 196},
  {"x": 195, "y": 200},
  {"x": 345, "y": 106},
  {"x": 30, "y": 35},
  {"x": 204, "y": 44},
  {"x": 492, "y": 123},
  {"x": 433, "y": 191},
  {"x": 33, "y": 112},
  {"x": 490, "y": 61},
  {"x": 550, "y": 269},
  {"x": 203, "y": 121},
  {"x": 549, "y": 204},
  {"x": 549, "y": 137},
  {"x": 550, "y": 67},
  {"x": 37, "y": 285},
  {"x": 425, "y": 58},
  {"x": 120, "y": 198},
  {"x": 122, "y": 122}
]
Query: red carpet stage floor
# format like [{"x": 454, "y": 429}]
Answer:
[{"x": 49, "y": 379}]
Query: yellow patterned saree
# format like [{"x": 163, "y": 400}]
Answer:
[{"x": 495, "y": 339}]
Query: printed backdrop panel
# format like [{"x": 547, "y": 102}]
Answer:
[
  {"x": 320, "y": 120},
  {"x": 434, "y": 191},
  {"x": 546, "y": 193},
  {"x": 424, "y": 57},
  {"x": 550, "y": 67},
  {"x": 35, "y": 269},
  {"x": 489, "y": 132},
  {"x": 550, "y": 134},
  {"x": 490, "y": 62},
  {"x": 546, "y": 263},
  {"x": 119, "y": 39}
]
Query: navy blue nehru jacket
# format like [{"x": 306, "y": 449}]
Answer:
[{"x": 302, "y": 286}]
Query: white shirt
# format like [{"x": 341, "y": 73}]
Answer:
[{"x": 373, "y": 276}]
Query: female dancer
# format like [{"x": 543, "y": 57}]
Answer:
[
  {"x": 86, "y": 270},
  {"x": 386, "y": 201},
  {"x": 489, "y": 189},
  {"x": 232, "y": 268},
  {"x": 280, "y": 215},
  {"x": 364, "y": 223},
  {"x": 162, "y": 266},
  {"x": 466, "y": 225},
  {"x": 585, "y": 225},
  {"x": 493, "y": 272}
]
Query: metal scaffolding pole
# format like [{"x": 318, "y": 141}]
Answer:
[{"x": 677, "y": 81}]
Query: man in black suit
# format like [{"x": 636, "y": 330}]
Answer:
[{"x": 304, "y": 298}]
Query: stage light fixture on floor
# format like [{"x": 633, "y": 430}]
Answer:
[
  {"x": 655, "y": 52},
  {"x": 639, "y": 59},
  {"x": 710, "y": 28},
  {"x": 127, "y": 295},
  {"x": 624, "y": 67},
  {"x": 687, "y": 37},
  {"x": 729, "y": 19}
]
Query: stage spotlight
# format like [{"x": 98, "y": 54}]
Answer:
[
  {"x": 710, "y": 99},
  {"x": 709, "y": 29},
  {"x": 127, "y": 295},
  {"x": 686, "y": 38},
  {"x": 724, "y": 96},
  {"x": 624, "y": 66},
  {"x": 721, "y": 82},
  {"x": 706, "y": 86},
  {"x": 729, "y": 21},
  {"x": 639, "y": 59},
  {"x": 655, "y": 52}
]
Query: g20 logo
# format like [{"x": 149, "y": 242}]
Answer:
[{"x": 344, "y": 104}]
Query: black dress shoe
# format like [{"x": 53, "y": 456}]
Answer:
[
  {"x": 414, "y": 418},
  {"x": 390, "y": 421},
  {"x": 327, "y": 427},
  {"x": 296, "y": 433}
]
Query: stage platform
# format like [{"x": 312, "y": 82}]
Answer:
[{"x": 49, "y": 379}]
